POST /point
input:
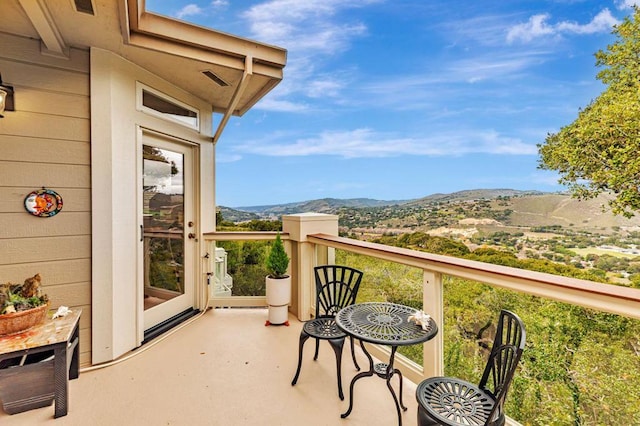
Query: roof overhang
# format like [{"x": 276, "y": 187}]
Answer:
[{"x": 231, "y": 73}]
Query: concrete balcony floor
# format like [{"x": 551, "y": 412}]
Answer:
[{"x": 226, "y": 368}]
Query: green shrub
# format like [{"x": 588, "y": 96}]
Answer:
[{"x": 278, "y": 260}]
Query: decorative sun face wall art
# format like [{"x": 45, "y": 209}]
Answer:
[{"x": 43, "y": 203}]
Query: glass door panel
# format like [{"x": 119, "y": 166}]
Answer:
[
  {"x": 163, "y": 211},
  {"x": 166, "y": 198}
]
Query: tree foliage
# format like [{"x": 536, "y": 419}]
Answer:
[
  {"x": 598, "y": 152},
  {"x": 264, "y": 225},
  {"x": 425, "y": 242},
  {"x": 222, "y": 224}
]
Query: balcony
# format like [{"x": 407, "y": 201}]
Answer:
[
  {"x": 570, "y": 321},
  {"x": 226, "y": 367}
]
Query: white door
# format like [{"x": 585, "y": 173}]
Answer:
[{"x": 168, "y": 241}]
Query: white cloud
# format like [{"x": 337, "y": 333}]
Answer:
[
  {"x": 366, "y": 143},
  {"x": 312, "y": 31},
  {"x": 545, "y": 177},
  {"x": 486, "y": 30},
  {"x": 270, "y": 103},
  {"x": 541, "y": 180},
  {"x": 189, "y": 10},
  {"x": 627, "y": 4},
  {"x": 324, "y": 87},
  {"x": 601, "y": 23},
  {"x": 493, "y": 66},
  {"x": 227, "y": 158},
  {"x": 538, "y": 26},
  {"x": 449, "y": 81},
  {"x": 219, "y": 3},
  {"x": 303, "y": 25}
]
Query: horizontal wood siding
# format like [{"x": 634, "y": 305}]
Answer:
[
  {"x": 40, "y": 150},
  {"x": 69, "y": 223},
  {"x": 46, "y": 143}
]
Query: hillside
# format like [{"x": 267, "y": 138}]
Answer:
[
  {"x": 464, "y": 213},
  {"x": 237, "y": 216},
  {"x": 470, "y": 195},
  {"x": 562, "y": 210},
  {"x": 324, "y": 205},
  {"x": 332, "y": 205}
]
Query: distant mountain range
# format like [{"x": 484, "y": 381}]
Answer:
[{"x": 332, "y": 205}]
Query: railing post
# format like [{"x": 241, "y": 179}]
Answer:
[
  {"x": 303, "y": 255},
  {"x": 433, "y": 364}
]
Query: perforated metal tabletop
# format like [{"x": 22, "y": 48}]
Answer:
[{"x": 384, "y": 324}]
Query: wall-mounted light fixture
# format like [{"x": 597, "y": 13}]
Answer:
[{"x": 6, "y": 98}]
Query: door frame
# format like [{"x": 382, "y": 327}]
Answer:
[{"x": 148, "y": 136}]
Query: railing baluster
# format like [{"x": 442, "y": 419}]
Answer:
[{"x": 432, "y": 300}]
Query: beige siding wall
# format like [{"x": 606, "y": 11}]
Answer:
[{"x": 46, "y": 142}]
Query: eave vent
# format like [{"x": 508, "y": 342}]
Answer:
[
  {"x": 215, "y": 78},
  {"x": 84, "y": 6}
]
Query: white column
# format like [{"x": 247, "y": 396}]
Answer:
[{"x": 304, "y": 255}]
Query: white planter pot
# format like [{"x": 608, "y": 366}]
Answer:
[{"x": 278, "y": 292}]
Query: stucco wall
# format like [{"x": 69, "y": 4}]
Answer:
[{"x": 46, "y": 143}]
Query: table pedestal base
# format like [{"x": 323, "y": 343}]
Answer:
[
  {"x": 383, "y": 323},
  {"x": 384, "y": 371}
]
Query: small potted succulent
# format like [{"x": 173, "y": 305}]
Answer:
[
  {"x": 22, "y": 305},
  {"x": 278, "y": 284}
]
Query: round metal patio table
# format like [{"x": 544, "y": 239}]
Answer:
[{"x": 387, "y": 324}]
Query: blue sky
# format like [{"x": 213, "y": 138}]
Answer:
[{"x": 400, "y": 99}]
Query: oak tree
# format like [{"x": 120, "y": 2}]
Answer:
[{"x": 598, "y": 152}]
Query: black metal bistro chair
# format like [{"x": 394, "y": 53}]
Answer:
[
  {"x": 451, "y": 401},
  {"x": 336, "y": 287}
]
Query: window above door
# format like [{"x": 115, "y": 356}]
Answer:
[{"x": 156, "y": 103}]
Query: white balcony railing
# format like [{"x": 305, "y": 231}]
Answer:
[{"x": 600, "y": 297}]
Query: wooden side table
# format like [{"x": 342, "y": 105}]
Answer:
[{"x": 33, "y": 385}]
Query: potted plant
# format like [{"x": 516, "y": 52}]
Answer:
[
  {"x": 278, "y": 284},
  {"x": 22, "y": 305}
]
